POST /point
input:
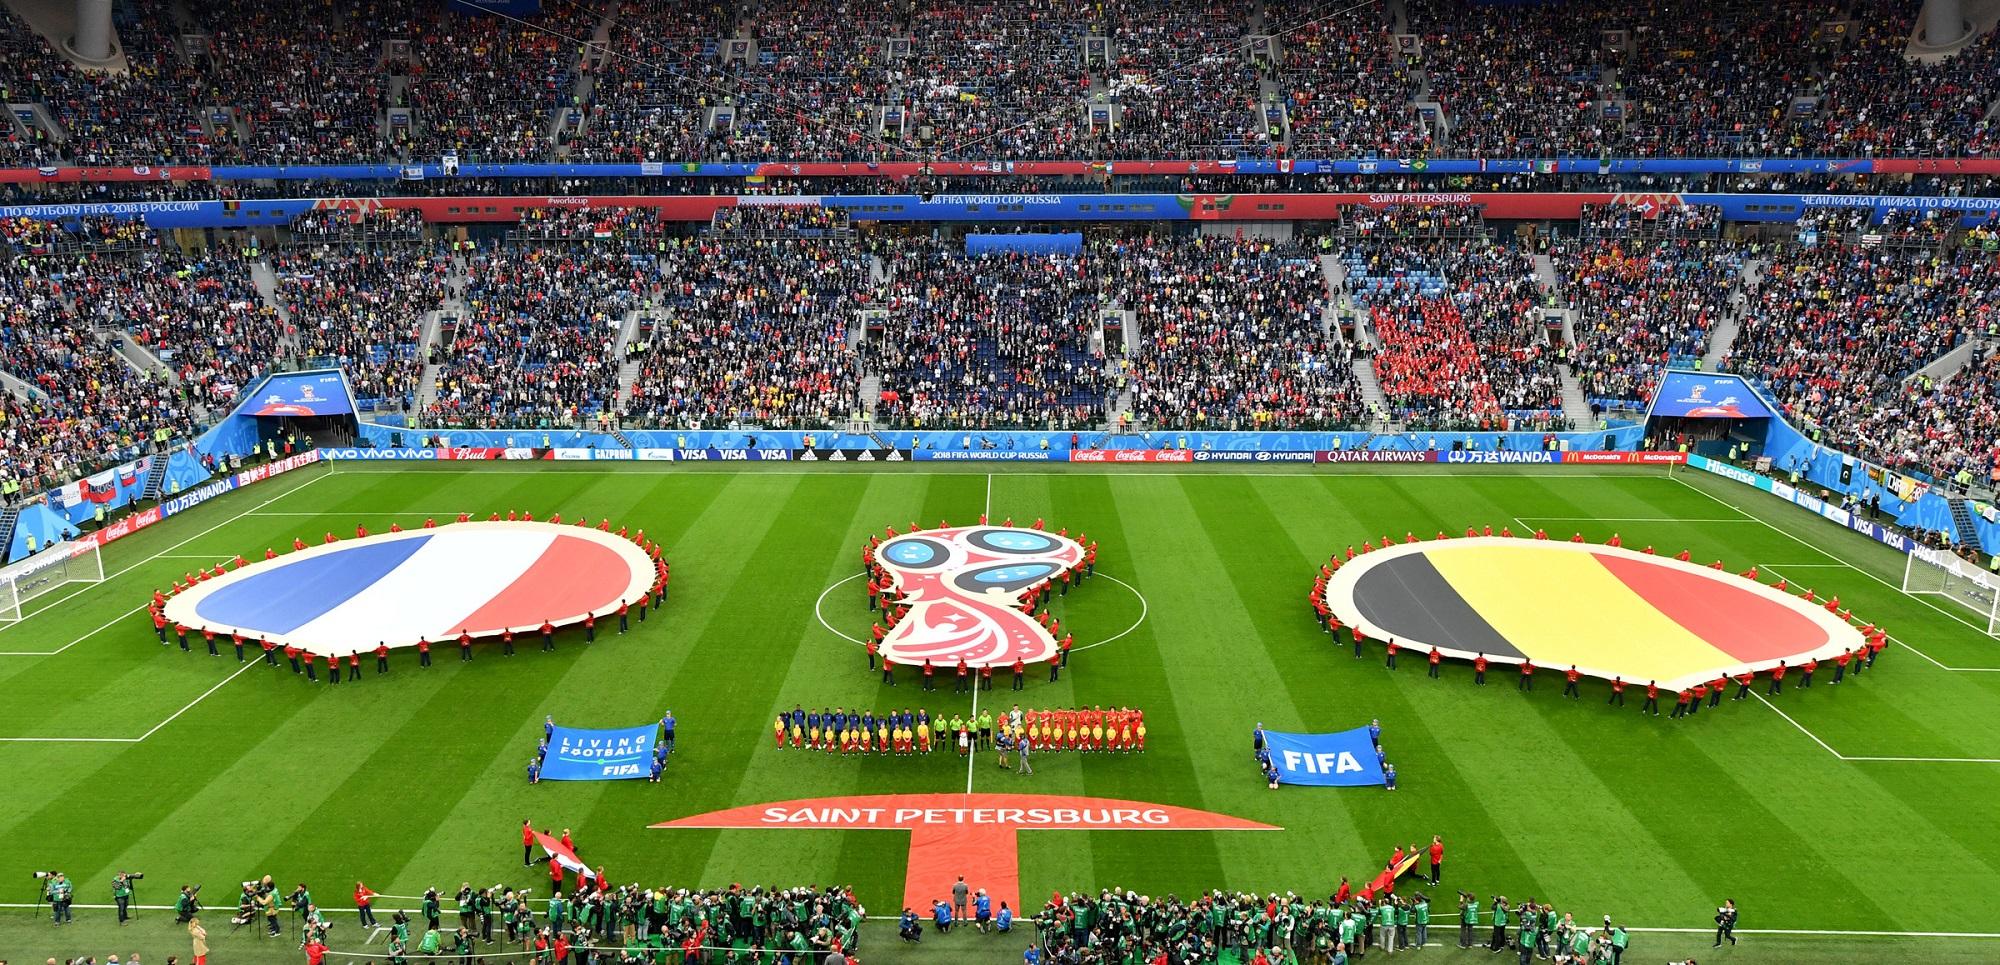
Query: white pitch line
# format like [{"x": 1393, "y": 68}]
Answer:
[
  {"x": 1833, "y": 556},
  {"x": 987, "y": 512},
  {"x": 1802, "y": 728},
  {"x": 1898, "y": 641},
  {"x": 112, "y": 576},
  {"x": 1640, "y": 519},
  {"x": 247, "y": 664},
  {"x": 972, "y": 754},
  {"x": 1870, "y": 758}
]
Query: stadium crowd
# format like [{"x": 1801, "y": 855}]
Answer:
[
  {"x": 1175, "y": 79},
  {"x": 534, "y": 348},
  {"x": 361, "y": 307},
  {"x": 1461, "y": 345},
  {"x": 1642, "y": 305},
  {"x": 989, "y": 341},
  {"x": 753, "y": 331},
  {"x": 1232, "y": 334}
]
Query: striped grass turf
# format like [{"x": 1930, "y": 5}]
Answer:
[{"x": 414, "y": 779}]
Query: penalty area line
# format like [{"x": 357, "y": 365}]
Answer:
[
  {"x": 1870, "y": 758},
  {"x": 190, "y": 705},
  {"x": 1898, "y": 641},
  {"x": 112, "y": 576},
  {"x": 1843, "y": 561}
]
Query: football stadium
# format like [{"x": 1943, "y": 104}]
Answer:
[{"x": 1145, "y": 482}]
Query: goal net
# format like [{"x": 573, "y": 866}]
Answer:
[
  {"x": 45, "y": 572},
  {"x": 1937, "y": 572}
]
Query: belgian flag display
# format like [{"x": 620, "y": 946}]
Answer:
[{"x": 1608, "y": 611}]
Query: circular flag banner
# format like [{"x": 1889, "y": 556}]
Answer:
[
  {"x": 1608, "y": 611},
  {"x": 480, "y": 578}
]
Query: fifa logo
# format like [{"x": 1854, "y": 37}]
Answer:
[{"x": 964, "y": 586}]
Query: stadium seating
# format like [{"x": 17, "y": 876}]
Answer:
[{"x": 1174, "y": 79}]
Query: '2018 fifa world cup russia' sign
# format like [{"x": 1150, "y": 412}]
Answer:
[
  {"x": 967, "y": 834},
  {"x": 964, "y": 587}
]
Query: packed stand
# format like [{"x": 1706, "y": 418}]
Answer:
[
  {"x": 1346, "y": 93},
  {"x": 639, "y": 229},
  {"x": 1414, "y": 220},
  {"x": 1833, "y": 328},
  {"x": 1232, "y": 335},
  {"x": 1460, "y": 345},
  {"x": 996, "y": 340},
  {"x": 1182, "y": 83},
  {"x": 323, "y": 226},
  {"x": 361, "y": 307},
  {"x": 534, "y": 348},
  {"x": 90, "y": 408},
  {"x": 1642, "y": 306},
  {"x": 1719, "y": 80},
  {"x": 199, "y": 314},
  {"x": 650, "y": 97},
  {"x": 1878, "y": 102},
  {"x": 488, "y": 88},
  {"x": 821, "y": 72},
  {"x": 781, "y": 218},
  {"x": 1657, "y": 221},
  {"x": 148, "y": 114},
  {"x": 752, "y": 332},
  {"x": 1943, "y": 429},
  {"x": 1518, "y": 80},
  {"x": 996, "y": 79},
  {"x": 305, "y": 78}
]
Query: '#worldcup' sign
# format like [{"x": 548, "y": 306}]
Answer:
[{"x": 964, "y": 587}]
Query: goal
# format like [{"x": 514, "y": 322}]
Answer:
[
  {"x": 45, "y": 572},
  {"x": 1938, "y": 572}
]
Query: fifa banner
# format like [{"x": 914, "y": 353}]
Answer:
[
  {"x": 1345, "y": 759},
  {"x": 599, "y": 755}
]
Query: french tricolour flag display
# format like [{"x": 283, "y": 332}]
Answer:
[{"x": 432, "y": 584}]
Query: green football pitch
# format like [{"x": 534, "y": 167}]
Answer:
[{"x": 1830, "y": 812}]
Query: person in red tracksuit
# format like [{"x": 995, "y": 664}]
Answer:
[
  {"x": 1806, "y": 672},
  {"x": 1652, "y": 698},
  {"x": 548, "y": 636},
  {"x": 1479, "y": 670},
  {"x": 423, "y": 652},
  {"x": 1617, "y": 692},
  {"x": 381, "y": 657},
  {"x": 1777, "y": 680},
  {"x": 1681, "y": 702},
  {"x": 527, "y": 843},
  {"x": 1435, "y": 658},
  {"x": 1527, "y": 680},
  {"x": 1715, "y": 689},
  {"x": 1569, "y": 683},
  {"x": 555, "y": 875}
]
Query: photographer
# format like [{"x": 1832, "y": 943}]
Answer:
[
  {"x": 185, "y": 905},
  {"x": 121, "y": 893},
  {"x": 59, "y": 895},
  {"x": 1725, "y": 922}
]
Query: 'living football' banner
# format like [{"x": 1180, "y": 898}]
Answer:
[
  {"x": 599, "y": 755},
  {"x": 1345, "y": 759}
]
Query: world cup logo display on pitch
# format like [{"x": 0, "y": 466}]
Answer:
[{"x": 963, "y": 587}]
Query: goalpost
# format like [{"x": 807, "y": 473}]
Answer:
[
  {"x": 45, "y": 572},
  {"x": 1937, "y": 572}
]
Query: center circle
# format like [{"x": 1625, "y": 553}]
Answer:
[{"x": 819, "y": 613}]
